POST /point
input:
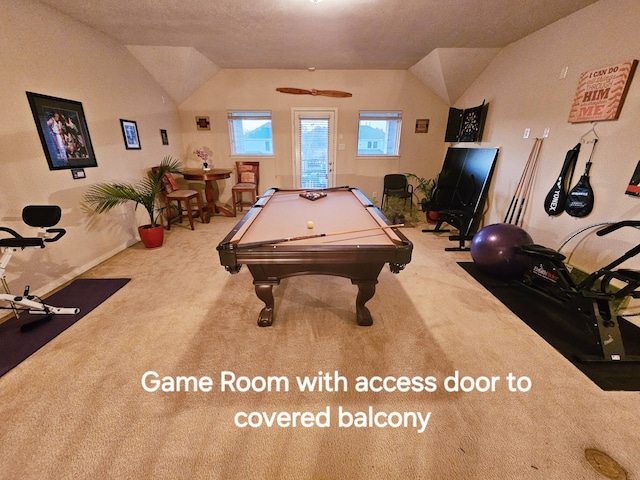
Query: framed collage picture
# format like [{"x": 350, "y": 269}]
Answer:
[{"x": 63, "y": 132}]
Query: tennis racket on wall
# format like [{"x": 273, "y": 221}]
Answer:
[
  {"x": 580, "y": 198},
  {"x": 556, "y": 199}
]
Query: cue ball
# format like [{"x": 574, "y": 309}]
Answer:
[{"x": 309, "y": 224}]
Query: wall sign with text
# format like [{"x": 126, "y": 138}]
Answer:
[{"x": 601, "y": 93}]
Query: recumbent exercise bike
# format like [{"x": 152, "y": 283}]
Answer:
[
  {"x": 43, "y": 217},
  {"x": 598, "y": 295}
]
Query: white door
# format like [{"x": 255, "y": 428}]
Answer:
[{"x": 314, "y": 133}]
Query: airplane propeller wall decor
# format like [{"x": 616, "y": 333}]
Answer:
[{"x": 313, "y": 91}]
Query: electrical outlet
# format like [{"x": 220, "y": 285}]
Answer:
[
  {"x": 563, "y": 73},
  {"x": 545, "y": 134},
  {"x": 375, "y": 195},
  {"x": 527, "y": 131}
]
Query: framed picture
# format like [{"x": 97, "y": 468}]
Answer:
[
  {"x": 422, "y": 125},
  {"x": 601, "y": 93},
  {"x": 164, "y": 137},
  {"x": 78, "y": 173},
  {"x": 203, "y": 123},
  {"x": 130, "y": 134},
  {"x": 63, "y": 132}
]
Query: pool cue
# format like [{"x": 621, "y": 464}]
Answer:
[
  {"x": 527, "y": 173},
  {"x": 527, "y": 189},
  {"x": 318, "y": 235},
  {"x": 516, "y": 193},
  {"x": 508, "y": 218}
]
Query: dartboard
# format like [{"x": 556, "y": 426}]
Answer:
[{"x": 470, "y": 126}]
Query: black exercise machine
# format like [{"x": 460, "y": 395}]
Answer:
[
  {"x": 43, "y": 217},
  {"x": 598, "y": 296}
]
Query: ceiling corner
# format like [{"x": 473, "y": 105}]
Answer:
[
  {"x": 449, "y": 72},
  {"x": 178, "y": 70}
]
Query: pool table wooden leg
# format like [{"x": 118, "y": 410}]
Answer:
[
  {"x": 265, "y": 293},
  {"x": 365, "y": 293}
]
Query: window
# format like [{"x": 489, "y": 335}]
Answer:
[
  {"x": 250, "y": 133},
  {"x": 379, "y": 133}
]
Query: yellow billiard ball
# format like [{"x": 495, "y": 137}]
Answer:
[{"x": 309, "y": 224}]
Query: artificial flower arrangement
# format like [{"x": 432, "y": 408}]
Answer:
[{"x": 204, "y": 155}]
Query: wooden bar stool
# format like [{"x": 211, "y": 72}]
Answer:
[
  {"x": 184, "y": 198},
  {"x": 248, "y": 175}
]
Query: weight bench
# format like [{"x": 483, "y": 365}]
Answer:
[{"x": 460, "y": 192}]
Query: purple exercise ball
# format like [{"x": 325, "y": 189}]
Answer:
[{"x": 495, "y": 249}]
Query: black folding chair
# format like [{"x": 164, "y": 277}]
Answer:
[{"x": 396, "y": 185}]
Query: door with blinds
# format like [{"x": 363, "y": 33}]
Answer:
[{"x": 314, "y": 147}]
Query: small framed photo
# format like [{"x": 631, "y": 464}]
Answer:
[
  {"x": 78, "y": 173},
  {"x": 164, "y": 137},
  {"x": 422, "y": 125},
  {"x": 203, "y": 123},
  {"x": 63, "y": 132},
  {"x": 130, "y": 134}
]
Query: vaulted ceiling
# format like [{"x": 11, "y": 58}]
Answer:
[{"x": 446, "y": 43}]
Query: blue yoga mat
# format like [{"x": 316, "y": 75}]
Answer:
[{"x": 84, "y": 293}]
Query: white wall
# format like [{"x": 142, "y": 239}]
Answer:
[
  {"x": 524, "y": 90},
  {"x": 372, "y": 90},
  {"x": 50, "y": 54}
]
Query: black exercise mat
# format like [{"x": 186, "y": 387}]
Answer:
[
  {"x": 567, "y": 331},
  {"x": 84, "y": 293}
]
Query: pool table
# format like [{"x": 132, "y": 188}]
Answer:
[{"x": 349, "y": 238}]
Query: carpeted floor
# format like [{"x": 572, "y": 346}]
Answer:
[{"x": 77, "y": 409}]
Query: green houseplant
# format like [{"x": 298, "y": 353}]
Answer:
[
  {"x": 102, "y": 197},
  {"x": 398, "y": 211},
  {"x": 425, "y": 186}
]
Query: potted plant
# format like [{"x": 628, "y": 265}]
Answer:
[
  {"x": 398, "y": 211},
  {"x": 425, "y": 186},
  {"x": 102, "y": 197}
]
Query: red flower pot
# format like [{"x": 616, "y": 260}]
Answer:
[
  {"x": 152, "y": 237},
  {"x": 432, "y": 217}
]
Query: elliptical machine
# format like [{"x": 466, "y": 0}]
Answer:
[
  {"x": 43, "y": 217},
  {"x": 597, "y": 296}
]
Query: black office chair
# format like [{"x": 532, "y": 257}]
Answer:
[{"x": 396, "y": 185}]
